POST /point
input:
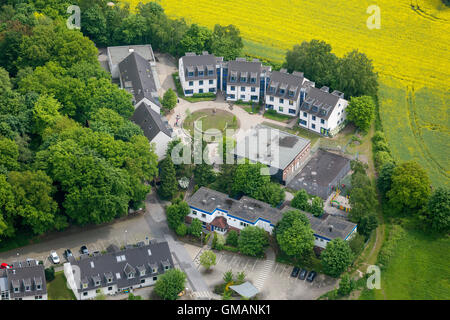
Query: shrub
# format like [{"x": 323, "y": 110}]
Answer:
[
  {"x": 346, "y": 285},
  {"x": 49, "y": 274},
  {"x": 231, "y": 249},
  {"x": 357, "y": 243},
  {"x": 170, "y": 284},
  {"x": 232, "y": 238},
  {"x": 204, "y": 95},
  {"x": 387, "y": 250},
  {"x": 181, "y": 230}
]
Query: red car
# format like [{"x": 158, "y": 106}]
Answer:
[{"x": 5, "y": 266}]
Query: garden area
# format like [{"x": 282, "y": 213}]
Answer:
[
  {"x": 208, "y": 96},
  {"x": 211, "y": 119},
  {"x": 57, "y": 288}
]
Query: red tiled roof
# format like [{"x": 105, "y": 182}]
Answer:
[{"x": 220, "y": 222}]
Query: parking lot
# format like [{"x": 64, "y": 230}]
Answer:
[
  {"x": 274, "y": 278},
  {"x": 95, "y": 238}
]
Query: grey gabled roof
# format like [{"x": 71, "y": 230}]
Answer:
[
  {"x": 240, "y": 67},
  {"x": 204, "y": 62},
  {"x": 321, "y": 102},
  {"x": 109, "y": 265},
  {"x": 250, "y": 210},
  {"x": 119, "y": 53},
  {"x": 329, "y": 227},
  {"x": 137, "y": 77},
  {"x": 150, "y": 121},
  {"x": 26, "y": 273},
  {"x": 282, "y": 79}
]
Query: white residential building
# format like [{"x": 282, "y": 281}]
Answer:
[
  {"x": 118, "y": 271},
  {"x": 323, "y": 112},
  {"x": 286, "y": 92},
  {"x": 198, "y": 73},
  {"x": 219, "y": 213}
]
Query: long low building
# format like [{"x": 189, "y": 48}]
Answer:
[
  {"x": 220, "y": 213},
  {"x": 118, "y": 270}
]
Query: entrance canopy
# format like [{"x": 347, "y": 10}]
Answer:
[{"x": 246, "y": 290}]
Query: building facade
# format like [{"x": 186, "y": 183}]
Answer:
[
  {"x": 24, "y": 280},
  {"x": 323, "y": 112},
  {"x": 220, "y": 213},
  {"x": 118, "y": 271},
  {"x": 286, "y": 92},
  {"x": 198, "y": 73}
]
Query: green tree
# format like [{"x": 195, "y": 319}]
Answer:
[
  {"x": 356, "y": 243},
  {"x": 45, "y": 113},
  {"x": 9, "y": 154},
  {"x": 5, "y": 82},
  {"x": 33, "y": 192},
  {"x": 228, "y": 276},
  {"x": 204, "y": 174},
  {"x": 317, "y": 206},
  {"x": 300, "y": 200},
  {"x": 248, "y": 180},
  {"x": 169, "y": 100},
  {"x": 336, "y": 257},
  {"x": 226, "y": 42},
  {"x": 367, "y": 223},
  {"x": 410, "y": 188},
  {"x": 169, "y": 184},
  {"x": 355, "y": 75},
  {"x": 7, "y": 208},
  {"x": 181, "y": 230},
  {"x": 196, "y": 39},
  {"x": 208, "y": 259},
  {"x": 271, "y": 193},
  {"x": 294, "y": 234},
  {"x": 361, "y": 111},
  {"x": 170, "y": 284},
  {"x": 196, "y": 228},
  {"x": 346, "y": 285},
  {"x": 253, "y": 241},
  {"x": 133, "y": 297},
  {"x": 315, "y": 60},
  {"x": 437, "y": 212},
  {"x": 232, "y": 238},
  {"x": 176, "y": 213}
]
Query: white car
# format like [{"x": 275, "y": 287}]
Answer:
[{"x": 54, "y": 257}]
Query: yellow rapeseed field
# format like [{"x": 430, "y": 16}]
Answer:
[{"x": 410, "y": 52}]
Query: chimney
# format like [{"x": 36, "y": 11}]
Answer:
[{"x": 330, "y": 227}]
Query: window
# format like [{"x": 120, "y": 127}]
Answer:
[
  {"x": 305, "y": 114},
  {"x": 254, "y": 97},
  {"x": 242, "y": 88},
  {"x": 322, "y": 121},
  {"x": 142, "y": 280},
  {"x": 291, "y": 103},
  {"x": 243, "y": 79},
  {"x": 314, "y": 118},
  {"x": 200, "y": 82},
  {"x": 253, "y": 80},
  {"x": 292, "y": 111},
  {"x": 281, "y": 100},
  {"x": 303, "y": 122},
  {"x": 280, "y": 109},
  {"x": 210, "y": 72},
  {"x": 38, "y": 287},
  {"x": 233, "y": 79},
  {"x": 85, "y": 293},
  {"x": 232, "y": 88},
  {"x": 313, "y": 126},
  {"x": 200, "y": 90},
  {"x": 200, "y": 73},
  {"x": 281, "y": 91},
  {"x": 253, "y": 89},
  {"x": 203, "y": 215},
  {"x": 155, "y": 278},
  {"x": 190, "y": 74},
  {"x": 271, "y": 99},
  {"x": 194, "y": 212},
  {"x": 211, "y": 81},
  {"x": 191, "y": 83},
  {"x": 27, "y": 288},
  {"x": 142, "y": 273},
  {"x": 16, "y": 289},
  {"x": 85, "y": 285},
  {"x": 242, "y": 96},
  {"x": 109, "y": 288}
]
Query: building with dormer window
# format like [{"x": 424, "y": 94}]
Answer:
[
  {"x": 323, "y": 112},
  {"x": 199, "y": 73},
  {"x": 118, "y": 270},
  {"x": 24, "y": 280},
  {"x": 286, "y": 92}
]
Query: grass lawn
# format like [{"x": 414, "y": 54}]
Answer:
[
  {"x": 219, "y": 120},
  {"x": 58, "y": 290},
  {"x": 297, "y": 131},
  {"x": 277, "y": 117}
]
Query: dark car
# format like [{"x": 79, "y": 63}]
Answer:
[
  {"x": 311, "y": 276},
  {"x": 68, "y": 253},
  {"x": 302, "y": 274},
  {"x": 294, "y": 272},
  {"x": 84, "y": 250}
]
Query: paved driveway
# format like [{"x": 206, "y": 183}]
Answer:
[{"x": 276, "y": 280}]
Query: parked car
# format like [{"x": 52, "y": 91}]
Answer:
[
  {"x": 4, "y": 266},
  {"x": 294, "y": 272},
  {"x": 54, "y": 257},
  {"x": 84, "y": 250},
  {"x": 302, "y": 274},
  {"x": 68, "y": 253},
  {"x": 311, "y": 276}
]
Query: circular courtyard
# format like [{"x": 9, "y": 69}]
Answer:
[{"x": 209, "y": 120}]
